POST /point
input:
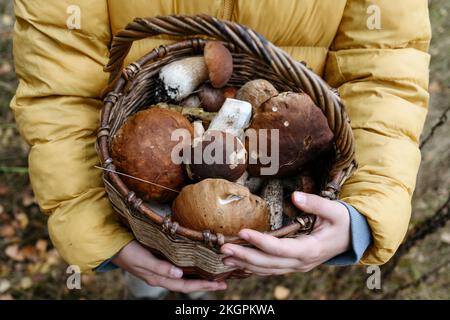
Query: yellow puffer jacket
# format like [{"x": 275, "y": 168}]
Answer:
[{"x": 373, "y": 51}]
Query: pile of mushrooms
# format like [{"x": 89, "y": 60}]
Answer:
[{"x": 220, "y": 185}]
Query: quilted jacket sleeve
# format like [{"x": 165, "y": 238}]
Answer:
[
  {"x": 379, "y": 63},
  {"x": 59, "y": 51}
]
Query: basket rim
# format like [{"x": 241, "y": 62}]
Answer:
[{"x": 277, "y": 58}]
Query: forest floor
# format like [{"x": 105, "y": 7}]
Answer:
[{"x": 30, "y": 268}]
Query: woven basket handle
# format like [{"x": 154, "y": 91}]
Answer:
[{"x": 252, "y": 43}]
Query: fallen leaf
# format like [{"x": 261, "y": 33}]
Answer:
[
  {"x": 4, "y": 285},
  {"x": 4, "y": 190},
  {"x": 30, "y": 253},
  {"x": 28, "y": 200},
  {"x": 281, "y": 292},
  {"x": 53, "y": 257},
  {"x": 434, "y": 87},
  {"x": 26, "y": 283},
  {"x": 44, "y": 268},
  {"x": 23, "y": 220},
  {"x": 41, "y": 245},
  {"x": 87, "y": 279},
  {"x": 7, "y": 231},
  {"x": 445, "y": 237},
  {"x": 14, "y": 253},
  {"x": 6, "y": 297},
  {"x": 7, "y": 20}
]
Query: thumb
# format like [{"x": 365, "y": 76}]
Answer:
[{"x": 322, "y": 207}]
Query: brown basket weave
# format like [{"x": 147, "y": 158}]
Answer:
[{"x": 133, "y": 88}]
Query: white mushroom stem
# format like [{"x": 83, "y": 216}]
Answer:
[
  {"x": 198, "y": 133},
  {"x": 242, "y": 178},
  {"x": 182, "y": 77},
  {"x": 233, "y": 117},
  {"x": 273, "y": 194}
]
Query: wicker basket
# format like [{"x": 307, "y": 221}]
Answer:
[{"x": 132, "y": 88}]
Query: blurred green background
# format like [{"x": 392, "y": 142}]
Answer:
[{"x": 31, "y": 269}]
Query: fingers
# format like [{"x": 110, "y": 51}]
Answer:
[
  {"x": 322, "y": 207},
  {"x": 297, "y": 248},
  {"x": 148, "y": 262},
  {"x": 256, "y": 269},
  {"x": 185, "y": 286},
  {"x": 257, "y": 257}
]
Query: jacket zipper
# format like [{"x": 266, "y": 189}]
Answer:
[{"x": 228, "y": 6}]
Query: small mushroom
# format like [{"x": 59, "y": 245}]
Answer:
[
  {"x": 219, "y": 63},
  {"x": 303, "y": 130},
  {"x": 142, "y": 148},
  {"x": 211, "y": 98},
  {"x": 219, "y": 152},
  {"x": 220, "y": 206},
  {"x": 256, "y": 92}
]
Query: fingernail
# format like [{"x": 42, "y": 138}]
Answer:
[
  {"x": 299, "y": 197},
  {"x": 222, "y": 286},
  {"x": 244, "y": 235},
  {"x": 176, "y": 272},
  {"x": 227, "y": 252},
  {"x": 229, "y": 263}
]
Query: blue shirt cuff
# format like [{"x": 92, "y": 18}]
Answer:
[
  {"x": 106, "y": 265},
  {"x": 361, "y": 239}
]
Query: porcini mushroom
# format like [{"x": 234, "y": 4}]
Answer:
[
  {"x": 142, "y": 148},
  {"x": 212, "y": 98},
  {"x": 303, "y": 132},
  {"x": 256, "y": 92},
  {"x": 180, "y": 78},
  {"x": 219, "y": 152},
  {"x": 220, "y": 206},
  {"x": 219, "y": 63}
]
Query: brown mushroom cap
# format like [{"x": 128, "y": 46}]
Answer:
[
  {"x": 219, "y": 63},
  {"x": 230, "y": 165},
  {"x": 221, "y": 207},
  {"x": 230, "y": 92},
  {"x": 256, "y": 92},
  {"x": 211, "y": 98},
  {"x": 142, "y": 148},
  {"x": 304, "y": 133}
]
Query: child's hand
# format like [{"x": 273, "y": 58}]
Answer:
[
  {"x": 140, "y": 262},
  {"x": 330, "y": 237}
]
